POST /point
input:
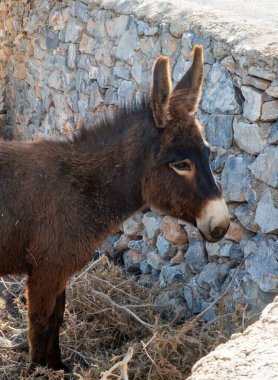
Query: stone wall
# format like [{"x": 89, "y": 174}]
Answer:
[{"x": 61, "y": 61}]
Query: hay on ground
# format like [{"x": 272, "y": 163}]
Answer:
[{"x": 112, "y": 330}]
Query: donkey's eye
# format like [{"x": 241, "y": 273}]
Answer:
[{"x": 181, "y": 166}]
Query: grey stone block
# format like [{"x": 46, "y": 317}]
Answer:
[
  {"x": 219, "y": 130},
  {"x": 81, "y": 11},
  {"x": 213, "y": 275},
  {"x": 128, "y": 42},
  {"x": 165, "y": 248},
  {"x": 262, "y": 264},
  {"x": 267, "y": 214},
  {"x": 145, "y": 268},
  {"x": 196, "y": 256},
  {"x": 219, "y": 94},
  {"x": 273, "y": 137},
  {"x": 73, "y": 32},
  {"x": 71, "y": 59},
  {"x": 232, "y": 177},
  {"x": 126, "y": 92},
  {"x": 249, "y": 137},
  {"x": 136, "y": 245},
  {"x": 170, "y": 275},
  {"x": 73, "y": 100},
  {"x": 52, "y": 39},
  {"x": 265, "y": 166}
]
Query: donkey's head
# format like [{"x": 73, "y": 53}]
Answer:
[{"x": 179, "y": 180}]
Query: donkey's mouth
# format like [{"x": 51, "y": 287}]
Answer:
[
  {"x": 206, "y": 238},
  {"x": 216, "y": 238}
]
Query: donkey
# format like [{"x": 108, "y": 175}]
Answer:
[{"x": 60, "y": 199}]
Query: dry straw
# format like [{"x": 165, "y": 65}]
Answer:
[{"x": 112, "y": 330}]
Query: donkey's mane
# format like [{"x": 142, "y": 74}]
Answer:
[{"x": 108, "y": 125}]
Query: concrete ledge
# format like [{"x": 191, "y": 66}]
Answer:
[
  {"x": 250, "y": 28},
  {"x": 252, "y": 355}
]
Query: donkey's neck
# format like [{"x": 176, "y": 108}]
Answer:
[{"x": 111, "y": 174}]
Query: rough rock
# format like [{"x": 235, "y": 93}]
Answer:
[
  {"x": 187, "y": 40},
  {"x": 132, "y": 260},
  {"x": 266, "y": 213},
  {"x": 145, "y": 268},
  {"x": 270, "y": 111},
  {"x": 121, "y": 71},
  {"x": 126, "y": 92},
  {"x": 144, "y": 29},
  {"x": 253, "y": 103},
  {"x": 87, "y": 44},
  {"x": 273, "y": 89},
  {"x": 229, "y": 63},
  {"x": 155, "y": 261},
  {"x": 170, "y": 46},
  {"x": 219, "y": 93},
  {"x": 249, "y": 137},
  {"x": 232, "y": 177},
  {"x": 178, "y": 258},
  {"x": 262, "y": 264},
  {"x": 165, "y": 248},
  {"x": 196, "y": 256},
  {"x": 116, "y": 26},
  {"x": 252, "y": 354},
  {"x": 180, "y": 68},
  {"x": 111, "y": 96},
  {"x": 81, "y": 11},
  {"x": 235, "y": 232},
  {"x": 273, "y": 137},
  {"x": 128, "y": 42},
  {"x": 136, "y": 245},
  {"x": 152, "y": 224},
  {"x": 261, "y": 73},
  {"x": 73, "y": 32},
  {"x": 122, "y": 243},
  {"x": 96, "y": 98},
  {"x": 261, "y": 84},
  {"x": 225, "y": 250},
  {"x": 71, "y": 56},
  {"x": 219, "y": 130},
  {"x": 103, "y": 77},
  {"x": 192, "y": 232},
  {"x": 213, "y": 275},
  {"x": 246, "y": 215},
  {"x": 173, "y": 231},
  {"x": 96, "y": 27},
  {"x": 265, "y": 166},
  {"x": 133, "y": 225},
  {"x": 170, "y": 275}
]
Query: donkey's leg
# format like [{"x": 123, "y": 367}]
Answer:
[
  {"x": 42, "y": 294},
  {"x": 53, "y": 350}
]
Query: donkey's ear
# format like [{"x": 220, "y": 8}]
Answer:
[
  {"x": 187, "y": 93},
  {"x": 161, "y": 90}
]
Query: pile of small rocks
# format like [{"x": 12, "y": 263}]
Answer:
[
  {"x": 163, "y": 249},
  {"x": 62, "y": 61}
]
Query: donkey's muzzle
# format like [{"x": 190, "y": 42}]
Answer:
[{"x": 214, "y": 220}]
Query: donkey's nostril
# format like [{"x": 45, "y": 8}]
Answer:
[{"x": 218, "y": 232}]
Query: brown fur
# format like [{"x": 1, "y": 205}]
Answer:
[{"x": 60, "y": 199}]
